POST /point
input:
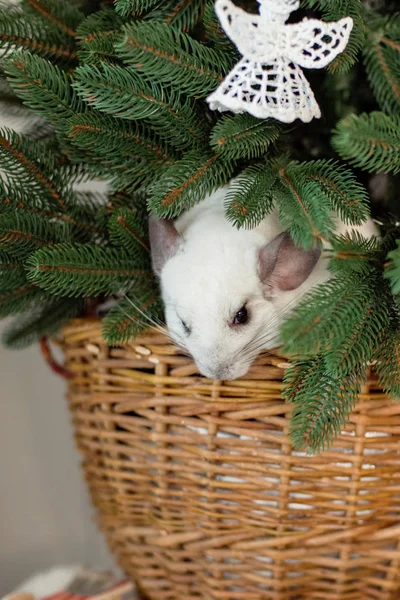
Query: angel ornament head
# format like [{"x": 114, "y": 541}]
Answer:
[{"x": 269, "y": 81}]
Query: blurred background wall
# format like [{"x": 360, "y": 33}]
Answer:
[{"x": 45, "y": 515}]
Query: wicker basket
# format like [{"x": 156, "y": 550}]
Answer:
[{"x": 200, "y": 494}]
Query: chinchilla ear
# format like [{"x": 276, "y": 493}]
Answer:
[
  {"x": 283, "y": 266},
  {"x": 164, "y": 242}
]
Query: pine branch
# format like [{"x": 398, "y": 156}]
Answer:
[
  {"x": 12, "y": 274},
  {"x": 331, "y": 182},
  {"x": 352, "y": 253},
  {"x": 369, "y": 142},
  {"x": 44, "y": 320},
  {"x": 127, "y": 8},
  {"x": 118, "y": 141},
  {"x": 22, "y": 233},
  {"x": 128, "y": 229},
  {"x": 181, "y": 14},
  {"x": 97, "y": 36},
  {"x": 333, "y": 10},
  {"x": 382, "y": 60},
  {"x": 164, "y": 55},
  {"x": 30, "y": 163},
  {"x": 387, "y": 364},
  {"x": 322, "y": 403},
  {"x": 126, "y": 319},
  {"x": 19, "y": 299},
  {"x": 63, "y": 15},
  {"x": 326, "y": 316},
  {"x": 187, "y": 182},
  {"x": 306, "y": 216},
  {"x": 119, "y": 92},
  {"x": 43, "y": 87},
  {"x": 243, "y": 136},
  {"x": 392, "y": 272},
  {"x": 251, "y": 196},
  {"x": 82, "y": 270},
  {"x": 20, "y": 32}
]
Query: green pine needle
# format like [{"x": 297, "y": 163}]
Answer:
[
  {"x": 22, "y": 233},
  {"x": 19, "y": 299},
  {"x": 387, "y": 364},
  {"x": 322, "y": 403},
  {"x": 128, "y": 229},
  {"x": 129, "y": 317},
  {"x": 117, "y": 141},
  {"x": 216, "y": 34},
  {"x": 251, "y": 196},
  {"x": 97, "y": 36},
  {"x": 352, "y": 253},
  {"x": 127, "y": 8},
  {"x": 369, "y": 142},
  {"x": 44, "y": 319},
  {"x": 120, "y": 92},
  {"x": 164, "y": 55},
  {"x": 43, "y": 87},
  {"x": 19, "y": 31},
  {"x": 12, "y": 273},
  {"x": 83, "y": 270},
  {"x": 187, "y": 182},
  {"x": 243, "y": 136},
  {"x": 382, "y": 60},
  {"x": 330, "y": 182},
  {"x": 182, "y": 14},
  {"x": 63, "y": 15},
  {"x": 393, "y": 269}
]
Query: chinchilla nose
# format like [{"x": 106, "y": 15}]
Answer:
[{"x": 216, "y": 371}]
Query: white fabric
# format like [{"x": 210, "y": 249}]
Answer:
[{"x": 268, "y": 81}]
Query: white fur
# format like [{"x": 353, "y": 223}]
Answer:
[{"x": 214, "y": 272}]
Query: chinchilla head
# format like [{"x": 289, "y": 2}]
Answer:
[{"x": 225, "y": 290}]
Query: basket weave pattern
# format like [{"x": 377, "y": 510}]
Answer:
[{"x": 201, "y": 495}]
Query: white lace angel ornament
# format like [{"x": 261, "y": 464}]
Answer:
[{"x": 268, "y": 81}]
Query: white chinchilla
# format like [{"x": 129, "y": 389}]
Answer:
[{"x": 226, "y": 290}]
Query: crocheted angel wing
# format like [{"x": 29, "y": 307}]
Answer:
[
  {"x": 245, "y": 30},
  {"x": 313, "y": 44}
]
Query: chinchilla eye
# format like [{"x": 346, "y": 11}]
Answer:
[{"x": 241, "y": 317}]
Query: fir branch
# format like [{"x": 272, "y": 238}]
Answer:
[
  {"x": 164, "y": 55},
  {"x": 331, "y": 182},
  {"x": 327, "y": 315},
  {"x": 369, "y": 142},
  {"x": 114, "y": 140},
  {"x": 29, "y": 162},
  {"x": 43, "y": 320},
  {"x": 82, "y": 270},
  {"x": 251, "y": 196},
  {"x": 22, "y": 233},
  {"x": 392, "y": 272},
  {"x": 352, "y": 253},
  {"x": 19, "y": 299},
  {"x": 187, "y": 182},
  {"x": 119, "y": 92},
  {"x": 306, "y": 216},
  {"x": 322, "y": 403},
  {"x": 382, "y": 59},
  {"x": 127, "y": 8},
  {"x": 63, "y": 15},
  {"x": 128, "y": 229},
  {"x": 20, "y": 32},
  {"x": 125, "y": 320},
  {"x": 181, "y": 14},
  {"x": 243, "y": 136},
  {"x": 387, "y": 364},
  {"x": 97, "y": 36},
  {"x": 43, "y": 87},
  {"x": 12, "y": 273}
]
